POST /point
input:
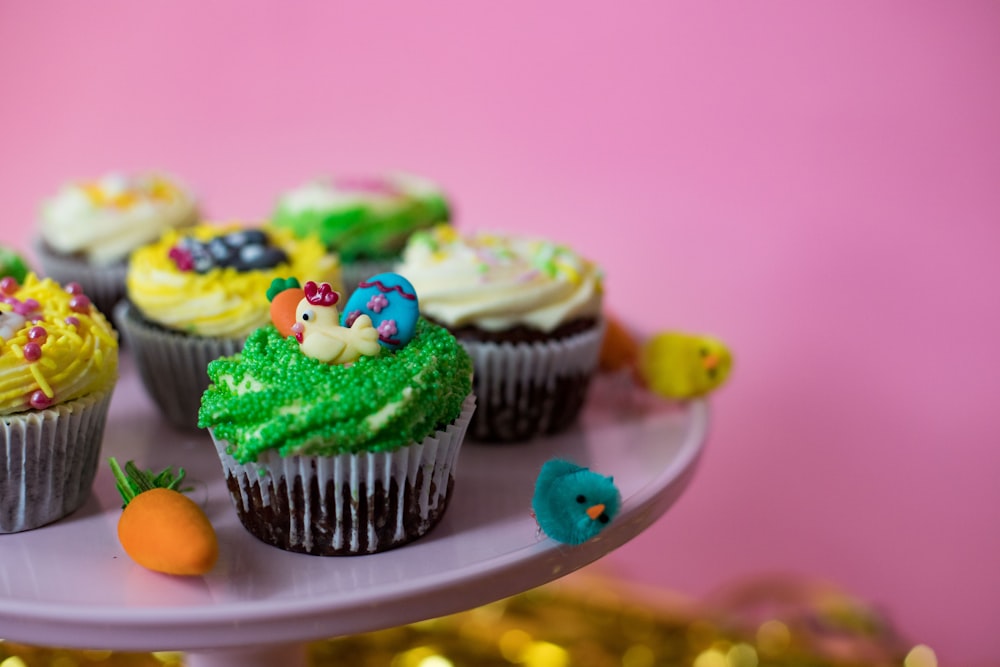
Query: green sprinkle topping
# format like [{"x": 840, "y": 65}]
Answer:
[{"x": 271, "y": 396}]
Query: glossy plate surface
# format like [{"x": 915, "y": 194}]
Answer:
[{"x": 70, "y": 583}]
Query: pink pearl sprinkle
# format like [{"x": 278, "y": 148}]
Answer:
[
  {"x": 39, "y": 400},
  {"x": 74, "y": 288},
  {"x": 8, "y": 285},
  {"x": 72, "y": 321},
  {"x": 38, "y": 334},
  {"x": 79, "y": 303},
  {"x": 32, "y": 351}
]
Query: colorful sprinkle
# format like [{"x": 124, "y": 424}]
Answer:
[
  {"x": 39, "y": 400},
  {"x": 8, "y": 285},
  {"x": 80, "y": 303},
  {"x": 32, "y": 351}
]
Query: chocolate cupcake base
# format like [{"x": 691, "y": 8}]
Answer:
[
  {"x": 533, "y": 388},
  {"x": 51, "y": 460},
  {"x": 348, "y": 504},
  {"x": 172, "y": 365}
]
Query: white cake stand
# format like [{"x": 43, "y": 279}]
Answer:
[{"x": 70, "y": 584}]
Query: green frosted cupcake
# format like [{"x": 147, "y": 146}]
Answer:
[
  {"x": 366, "y": 221},
  {"x": 340, "y": 459}
]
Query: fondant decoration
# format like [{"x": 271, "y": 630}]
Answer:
[
  {"x": 243, "y": 250},
  {"x": 317, "y": 328},
  {"x": 160, "y": 528},
  {"x": 284, "y": 295},
  {"x": 572, "y": 504},
  {"x": 681, "y": 366},
  {"x": 390, "y": 301}
]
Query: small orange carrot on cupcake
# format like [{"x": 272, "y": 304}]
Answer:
[
  {"x": 160, "y": 528},
  {"x": 284, "y": 295}
]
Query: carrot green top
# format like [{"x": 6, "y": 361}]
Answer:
[{"x": 272, "y": 396}]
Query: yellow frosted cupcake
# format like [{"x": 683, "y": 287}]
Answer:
[
  {"x": 58, "y": 368},
  {"x": 88, "y": 228},
  {"x": 196, "y": 294}
]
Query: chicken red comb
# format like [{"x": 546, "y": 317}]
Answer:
[{"x": 321, "y": 294}]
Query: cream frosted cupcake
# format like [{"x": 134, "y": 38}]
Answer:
[
  {"x": 527, "y": 310},
  {"x": 366, "y": 221},
  {"x": 88, "y": 228},
  {"x": 58, "y": 369},
  {"x": 196, "y": 294},
  {"x": 332, "y": 458}
]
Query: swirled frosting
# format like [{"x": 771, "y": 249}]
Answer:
[
  {"x": 105, "y": 219},
  {"x": 497, "y": 281},
  {"x": 362, "y": 219},
  {"x": 221, "y": 302},
  {"x": 55, "y": 346},
  {"x": 272, "y": 396}
]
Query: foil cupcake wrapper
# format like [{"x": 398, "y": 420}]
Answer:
[
  {"x": 347, "y": 504},
  {"x": 173, "y": 366},
  {"x": 527, "y": 390},
  {"x": 49, "y": 460},
  {"x": 103, "y": 285}
]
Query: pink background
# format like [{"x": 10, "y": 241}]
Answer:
[{"x": 817, "y": 183}]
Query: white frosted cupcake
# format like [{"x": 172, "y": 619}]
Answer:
[
  {"x": 196, "y": 294},
  {"x": 58, "y": 369},
  {"x": 351, "y": 458},
  {"x": 88, "y": 228},
  {"x": 527, "y": 310}
]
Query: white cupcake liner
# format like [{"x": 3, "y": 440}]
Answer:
[
  {"x": 103, "y": 285},
  {"x": 49, "y": 460},
  {"x": 347, "y": 504},
  {"x": 173, "y": 366},
  {"x": 531, "y": 389}
]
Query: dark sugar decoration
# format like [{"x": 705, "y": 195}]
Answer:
[{"x": 245, "y": 250}]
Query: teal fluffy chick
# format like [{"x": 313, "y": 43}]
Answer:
[{"x": 572, "y": 504}]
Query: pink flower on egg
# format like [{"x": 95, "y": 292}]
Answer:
[
  {"x": 387, "y": 329},
  {"x": 377, "y": 303}
]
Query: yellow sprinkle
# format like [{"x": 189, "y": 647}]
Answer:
[
  {"x": 40, "y": 379},
  {"x": 13, "y": 661},
  {"x": 569, "y": 271}
]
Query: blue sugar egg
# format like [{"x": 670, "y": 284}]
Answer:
[{"x": 391, "y": 302}]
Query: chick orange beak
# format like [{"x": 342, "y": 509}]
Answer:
[
  {"x": 595, "y": 511},
  {"x": 711, "y": 361}
]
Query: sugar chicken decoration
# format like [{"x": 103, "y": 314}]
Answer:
[
  {"x": 318, "y": 330},
  {"x": 672, "y": 364}
]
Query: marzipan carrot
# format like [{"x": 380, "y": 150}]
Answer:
[
  {"x": 160, "y": 528},
  {"x": 284, "y": 295}
]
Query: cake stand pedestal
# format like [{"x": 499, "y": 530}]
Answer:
[{"x": 70, "y": 583}]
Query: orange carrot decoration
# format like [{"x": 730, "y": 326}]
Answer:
[
  {"x": 284, "y": 295},
  {"x": 160, "y": 528}
]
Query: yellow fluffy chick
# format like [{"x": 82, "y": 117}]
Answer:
[{"x": 679, "y": 365}]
